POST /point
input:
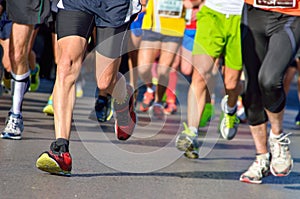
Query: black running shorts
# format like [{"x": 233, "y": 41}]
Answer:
[
  {"x": 112, "y": 41},
  {"x": 107, "y": 13},
  {"x": 29, "y": 11}
]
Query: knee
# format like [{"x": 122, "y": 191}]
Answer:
[
  {"x": 186, "y": 70},
  {"x": 67, "y": 71},
  {"x": 144, "y": 72},
  {"x": 163, "y": 70},
  {"x": 18, "y": 56},
  {"x": 268, "y": 83},
  {"x": 104, "y": 83}
]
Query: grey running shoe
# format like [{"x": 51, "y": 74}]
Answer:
[
  {"x": 156, "y": 111},
  {"x": 125, "y": 116},
  {"x": 260, "y": 168},
  {"x": 229, "y": 123},
  {"x": 14, "y": 127},
  {"x": 281, "y": 162},
  {"x": 187, "y": 142}
]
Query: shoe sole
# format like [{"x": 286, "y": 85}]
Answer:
[
  {"x": 155, "y": 116},
  {"x": 184, "y": 143},
  {"x": 116, "y": 132},
  {"x": 9, "y": 137},
  {"x": 247, "y": 180},
  {"x": 47, "y": 164},
  {"x": 281, "y": 174}
]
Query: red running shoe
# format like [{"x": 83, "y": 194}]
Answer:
[
  {"x": 60, "y": 164},
  {"x": 148, "y": 100},
  {"x": 170, "y": 108},
  {"x": 125, "y": 116}
]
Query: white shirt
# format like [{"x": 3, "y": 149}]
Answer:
[{"x": 228, "y": 7}]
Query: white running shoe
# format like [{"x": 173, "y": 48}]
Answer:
[
  {"x": 14, "y": 127},
  {"x": 281, "y": 162},
  {"x": 259, "y": 168}
]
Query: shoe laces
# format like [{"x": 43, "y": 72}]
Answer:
[
  {"x": 188, "y": 131},
  {"x": 231, "y": 120},
  {"x": 13, "y": 123},
  {"x": 280, "y": 146},
  {"x": 258, "y": 166}
]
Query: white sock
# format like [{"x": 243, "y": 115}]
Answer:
[
  {"x": 265, "y": 156},
  {"x": 272, "y": 135},
  {"x": 230, "y": 110},
  {"x": 194, "y": 129},
  {"x": 150, "y": 90},
  {"x": 20, "y": 84}
]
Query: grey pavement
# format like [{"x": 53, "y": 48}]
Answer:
[{"x": 146, "y": 166}]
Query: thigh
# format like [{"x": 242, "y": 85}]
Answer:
[
  {"x": 148, "y": 52},
  {"x": 113, "y": 42},
  {"x": 276, "y": 61},
  {"x": 233, "y": 48},
  {"x": 168, "y": 53},
  {"x": 74, "y": 23}
]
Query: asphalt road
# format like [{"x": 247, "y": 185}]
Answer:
[{"x": 146, "y": 166}]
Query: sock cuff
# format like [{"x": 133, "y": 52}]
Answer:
[
  {"x": 272, "y": 135},
  {"x": 20, "y": 78}
]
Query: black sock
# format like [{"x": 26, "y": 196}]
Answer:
[{"x": 60, "y": 145}]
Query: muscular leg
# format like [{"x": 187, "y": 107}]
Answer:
[
  {"x": 71, "y": 52},
  {"x": 167, "y": 56},
  {"x": 147, "y": 53},
  {"x": 231, "y": 81},
  {"x": 18, "y": 51},
  {"x": 19, "y": 61},
  {"x": 197, "y": 92},
  {"x": 108, "y": 77}
]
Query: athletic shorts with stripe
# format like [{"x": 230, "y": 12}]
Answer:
[
  {"x": 219, "y": 34},
  {"x": 80, "y": 17},
  {"x": 29, "y": 11}
]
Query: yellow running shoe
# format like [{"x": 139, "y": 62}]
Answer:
[{"x": 48, "y": 109}]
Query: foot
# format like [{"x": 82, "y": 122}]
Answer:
[
  {"x": 55, "y": 163},
  {"x": 14, "y": 127},
  {"x": 187, "y": 142},
  {"x": 148, "y": 100},
  {"x": 57, "y": 160},
  {"x": 281, "y": 162},
  {"x": 125, "y": 116},
  {"x": 103, "y": 108},
  {"x": 259, "y": 169},
  {"x": 170, "y": 108},
  {"x": 157, "y": 111},
  {"x": 229, "y": 122}
]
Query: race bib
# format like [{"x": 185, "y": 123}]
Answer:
[
  {"x": 170, "y": 8},
  {"x": 274, "y": 3}
]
